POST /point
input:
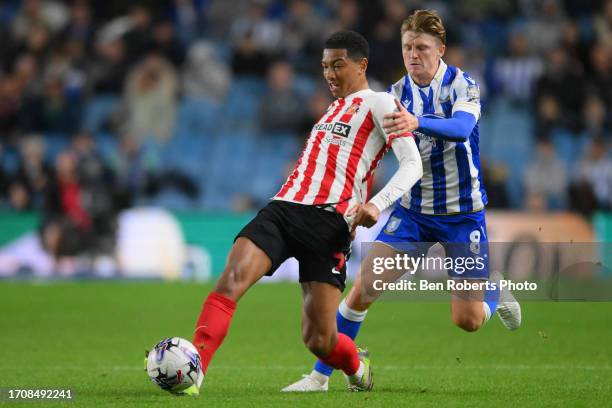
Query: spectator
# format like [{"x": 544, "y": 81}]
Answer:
[
  {"x": 205, "y": 74},
  {"x": 39, "y": 13},
  {"x": 602, "y": 24},
  {"x": 386, "y": 60},
  {"x": 29, "y": 184},
  {"x": 150, "y": 100},
  {"x": 166, "y": 44},
  {"x": 11, "y": 100},
  {"x": 138, "y": 38},
  {"x": 140, "y": 174},
  {"x": 600, "y": 79},
  {"x": 55, "y": 112},
  {"x": 515, "y": 75},
  {"x": 495, "y": 178},
  {"x": 80, "y": 27},
  {"x": 281, "y": 109},
  {"x": 552, "y": 88},
  {"x": 545, "y": 179},
  {"x": 248, "y": 59},
  {"x": 110, "y": 66},
  {"x": 595, "y": 170},
  {"x": 545, "y": 30},
  {"x": 80, "y": 212},
  {"x": 596, "y": 121},
  {"x": 318, "y": 103},
  {"x": 264, "y": 32}
]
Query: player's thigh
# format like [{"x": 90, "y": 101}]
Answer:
[
  {"x": 465, "y": 242},
  {"x": 246, "y": 264},
  {"x": 402, "y": 234},
  {"x": 319, "y": 330}
]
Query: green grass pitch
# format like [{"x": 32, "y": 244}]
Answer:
[{"x": 91, "y": 337}]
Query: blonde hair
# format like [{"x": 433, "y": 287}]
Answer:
[{"x": 425, "y": 21}]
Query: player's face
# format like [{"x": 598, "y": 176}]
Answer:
[
  {"x": 343, "y": 75},
  {"x": 422, "y": 53}
]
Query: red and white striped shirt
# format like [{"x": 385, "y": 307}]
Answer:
[{"x": 344, "y": 148}]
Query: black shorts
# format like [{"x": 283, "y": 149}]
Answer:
[{"x": 319, "y": 239}]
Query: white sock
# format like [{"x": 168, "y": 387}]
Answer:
[
  {"x": 487, "y": 311},
  {"x": 321, "y": 378},
  {"x": 359, "y": 373},
  {"x": 351, "y": 314}
]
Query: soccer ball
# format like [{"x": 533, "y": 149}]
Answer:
[{"x": 174, "y": 365}]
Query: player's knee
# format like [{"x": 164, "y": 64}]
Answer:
[
  {"x": 467, "y": 322},
  {"x": 319, "y": 344},
  {"x": 357, "y": 300}
]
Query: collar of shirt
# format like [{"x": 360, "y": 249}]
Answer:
[{"x": 437, "y": 79}]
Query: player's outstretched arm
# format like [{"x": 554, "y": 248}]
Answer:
[
  {"x": 409, "y": 172},
  {"x": 455, "y": 129}
]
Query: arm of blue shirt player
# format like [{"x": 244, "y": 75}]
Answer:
[{"x": 454, "y": 129}]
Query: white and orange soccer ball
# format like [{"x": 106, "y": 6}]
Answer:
[{"x": 174, "y": 365}]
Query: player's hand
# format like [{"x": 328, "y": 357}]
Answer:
[
  {"x": 400, "y": 122},
  {"x": 365, "y": 214}
]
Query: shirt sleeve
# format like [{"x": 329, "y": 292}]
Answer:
[
  {"x": 409, "y": 172},
  {"x": 467, "y": 95},
  {"x": 385, "y": 103}
]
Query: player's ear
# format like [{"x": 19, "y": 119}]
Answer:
[
  {"x": 363, "y": 64},
  {"x": 441, "y": 50}
]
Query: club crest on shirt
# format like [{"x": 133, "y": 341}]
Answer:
[
  {"x": 353, "y": 109},
  {"x": 392, "y": 225}
]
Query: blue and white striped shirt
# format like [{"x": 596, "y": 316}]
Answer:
[{"x": 451, "y": 181}]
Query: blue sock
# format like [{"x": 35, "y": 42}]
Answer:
[
  {"x": 348, "y": 322},
  {"x": 491, "y": 297}
]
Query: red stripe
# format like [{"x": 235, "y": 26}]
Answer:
[
  {"x": 353, "y": 162},
  {"x": 289, "y": 183},
  {"x": 369, "y": 177},
  {"x": 330, "y": 175},
  {"x": 312, "y": 157}
]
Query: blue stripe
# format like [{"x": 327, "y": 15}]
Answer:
[
  {"x": 465, "y": 185},
  {"x": 407, "y": 94},
  {"x": 416, "y": 196},
  {"x": 437, "y": 159},
  {"x": 447, "y": 108},
  {"x": 449, "y": 75},
  {"x": 469, "y": 80},
  {"x": 439, "y": 177},
  {"x": 428, "y": 104},
  {"x": 474, "y": 139}
]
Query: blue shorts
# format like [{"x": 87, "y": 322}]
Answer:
[{"x": 462, "y": 235}]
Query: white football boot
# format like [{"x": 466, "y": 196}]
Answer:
[
  {"x": 313, "y": 382},
  {"x": 508, "y": 308}
]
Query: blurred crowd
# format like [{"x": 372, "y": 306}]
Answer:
[{"x": 548, "y": 58}]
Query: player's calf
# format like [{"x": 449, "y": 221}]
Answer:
[{"x": 319, "y": 344}]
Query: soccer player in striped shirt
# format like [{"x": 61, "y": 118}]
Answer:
[
  {"x": 440, "y": 104},
  {"x": 312, "y": 216}
]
